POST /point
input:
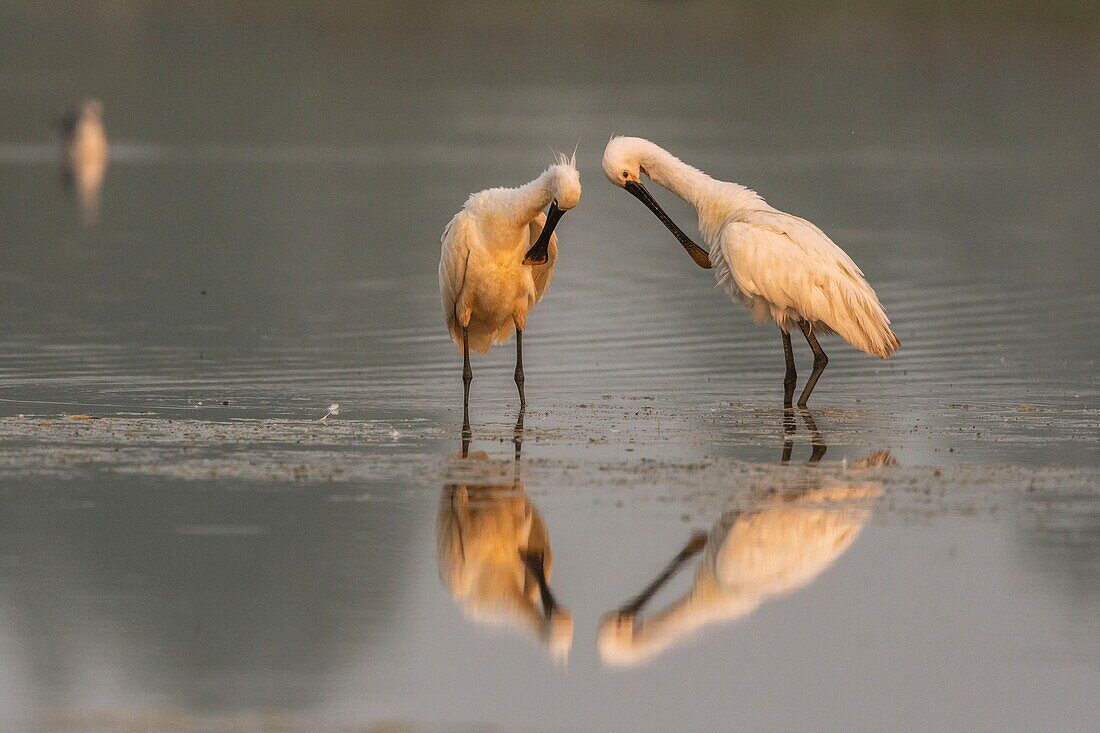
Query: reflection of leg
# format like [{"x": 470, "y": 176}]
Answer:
[
  {"x": 519, "y": 367},
  {"x": 535, "y": 563},
  {"x": 816, "y": 440},
  {"x": 791, "y": 375},
  {"x": 789, "y": 427},
  {"x": 467, "y": 378},
  {"x": 517, "y": 433},
  {"x": 694, "y": 545},
  {"x": 820, "y": 362}
]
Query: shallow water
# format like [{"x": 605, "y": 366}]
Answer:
[{"x": 205, "y": 553}]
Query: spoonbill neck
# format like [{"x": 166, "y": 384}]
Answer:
[
  {"x": 521, "y": 204},
  {"x": 715, "y": 201},
  {"x": 687, "y": 182},
  {"x": 535, "y": 196}
]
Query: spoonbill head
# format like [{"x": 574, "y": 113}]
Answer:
[
  {"x": 565, "y": 181},
  {"x": 780, "y": 266},
  {"x": 623, "y": 165},
  {"x": 497, "y": 259}
]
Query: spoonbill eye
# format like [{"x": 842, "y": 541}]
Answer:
[{"x": 626, "y": 174}]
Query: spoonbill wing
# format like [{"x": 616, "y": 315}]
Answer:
[
  {"x": 797, "y": 273},
  {"x": 806, "y": 235},
  {"x": 455, "y": 253}
]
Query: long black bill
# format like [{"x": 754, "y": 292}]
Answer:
[
  {"x": 538, "y": 254},
  {"x": 697, "y": 542},
  {"x": 697, "y": 253},
  {"x": 534, "y": 562}
]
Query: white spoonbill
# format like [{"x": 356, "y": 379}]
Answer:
[
  {"x": 497, "y": 260},
  {"x": 780, "y": 266},
  {"x": 84, "y": 156}
]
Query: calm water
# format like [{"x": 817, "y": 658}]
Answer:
[{"x": 207, "y": 555}]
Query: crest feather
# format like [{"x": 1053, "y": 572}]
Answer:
[{"x": 570, "y": 161}]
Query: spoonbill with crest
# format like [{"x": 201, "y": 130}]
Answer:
[
  {"x": 779, "y": 266},
  {"x": 497, "y": 259}
]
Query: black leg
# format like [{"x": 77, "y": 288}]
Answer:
[
  {"x": 467, "y": 378},
  {"x": 789, "y": 427},
  {"x": 519, "y": 368},
  {"x": 791, "y": 375},
  {"x": 697, "y": 542},
  {"x": 517, "y": 433},
  {"x": 789, "y": 378},
  {"x": 816, "y": 441},
  {"x": 820, "y": 362}
]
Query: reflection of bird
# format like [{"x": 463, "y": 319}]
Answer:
[
  {"x": 780, "y": 266},
  {"x": 497, "y": 260},
  {"x": 494, "y": 557},
  {"x": 748, "y": 557},
  {"x": 84, "y": 156}
]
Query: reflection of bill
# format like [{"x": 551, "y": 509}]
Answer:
[
  {"x": 749, "y": 556},
  {"x": 84, "y": 157},
  {"x": 495, "y": 558}
]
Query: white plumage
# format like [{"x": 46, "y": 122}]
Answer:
[
  {"x": 785, "y": 268},
  {"x": 780, "y": 266},
  {"x": 483, "y": 283},
  {"x": 84, "y": 156},
  {"x": 490, "y": 275}
]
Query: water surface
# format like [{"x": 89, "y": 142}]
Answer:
[{"x": 206, "y": 554}]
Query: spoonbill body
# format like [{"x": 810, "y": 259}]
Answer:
[
  {"x": 781, "y": 267},
  {"x": 497, "y": 259}
]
